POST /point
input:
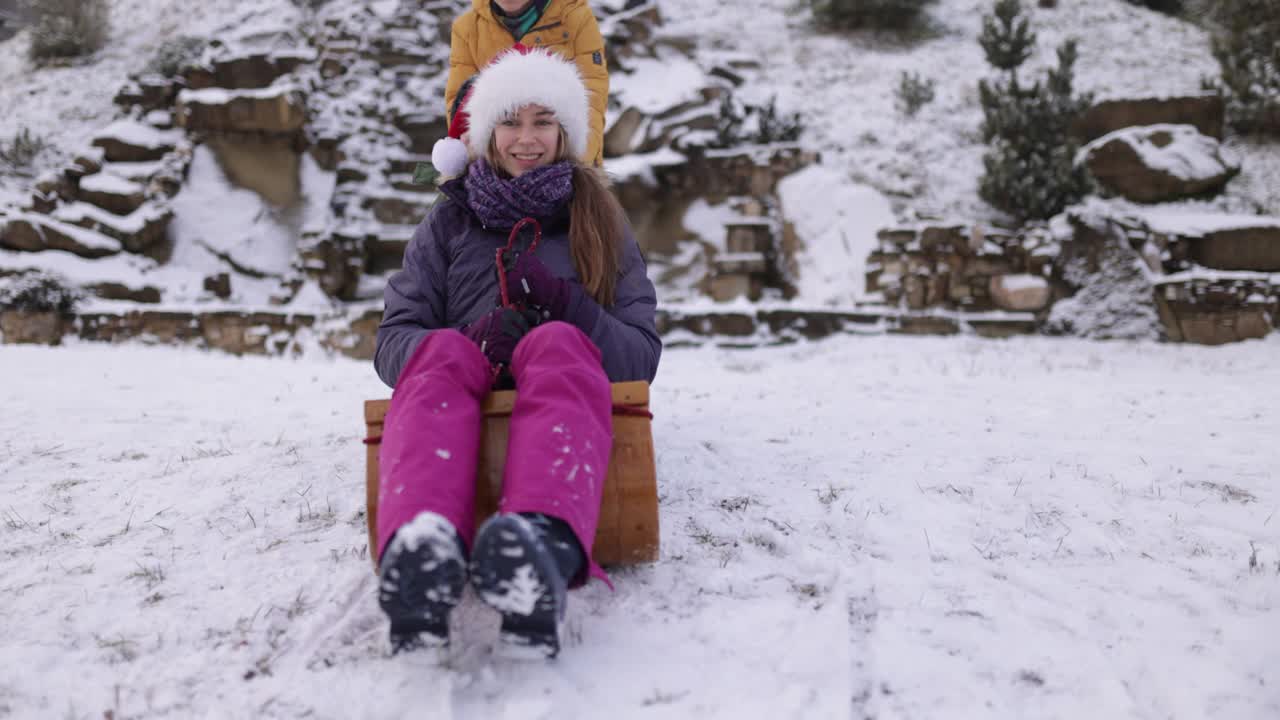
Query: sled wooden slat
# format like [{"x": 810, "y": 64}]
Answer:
[{"x": 627, "y": 532}]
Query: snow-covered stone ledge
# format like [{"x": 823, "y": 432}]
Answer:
[{"x": 277, "y": 110}]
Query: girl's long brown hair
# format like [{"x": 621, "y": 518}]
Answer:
[{"x": 595, "y": 223}]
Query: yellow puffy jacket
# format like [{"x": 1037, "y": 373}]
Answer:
[{"x": 567, "y": 27}]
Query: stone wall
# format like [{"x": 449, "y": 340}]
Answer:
[
  {"x": 1217, "y": 310},
  {"x": 1097, "y": 274},
  {"x": 964, "y": 267},
  {"x": 1212, "y": 285}
]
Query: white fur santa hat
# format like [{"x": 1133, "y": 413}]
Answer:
[
  {"x": 521, "y": 77},
  {"x": 515, "y": 78}
]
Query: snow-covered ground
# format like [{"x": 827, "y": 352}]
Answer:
[{"x": 881, "y": 526}]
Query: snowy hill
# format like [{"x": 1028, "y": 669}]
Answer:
[{"x": 842, "y": 84}]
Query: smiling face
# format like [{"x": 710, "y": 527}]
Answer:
[{"x": 526, "y": 140}]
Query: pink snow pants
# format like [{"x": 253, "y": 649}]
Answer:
[{"x": 558, "y": 446}]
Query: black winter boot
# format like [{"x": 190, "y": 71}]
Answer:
[
  {"x": 522, "y": 566},
  {"x": 423, "y": 571}
]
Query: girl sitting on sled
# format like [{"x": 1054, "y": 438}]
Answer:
[{"x": 566, "y": 310}]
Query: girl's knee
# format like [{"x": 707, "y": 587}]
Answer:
[
  {"x": 449, "y": 352},
  {"x": 449, "y": 341},
  {"x": 556, "y": 342}
]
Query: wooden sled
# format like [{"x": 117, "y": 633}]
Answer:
[{"x": 627, "y": 532}]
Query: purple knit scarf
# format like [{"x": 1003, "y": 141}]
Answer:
[{"x": 501, "y": 203}]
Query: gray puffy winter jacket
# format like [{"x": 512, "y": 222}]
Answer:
[{"x": 448, "y": 279}]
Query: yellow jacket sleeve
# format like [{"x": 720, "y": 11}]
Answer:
[
  {"x": 462, "y": 60},
  {"x": 588, "y": 52}
]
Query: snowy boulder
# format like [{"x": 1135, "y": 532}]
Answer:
[
  {"x": 112, "y": 192},
  {"x": 47, "y": 189},
  {"x": 137, "y": 231},
  {"x": 87, "y": 162},
  {"x": 133, "y": 141},
  {"x": 109, "y": 290},
  {"x": 1252, "y": 247},
  {"x": 34, "y": 232},
  {"x": 279, "y": 110},
  {"x": 663, "y": 99},
  {"x": 1159, "y": 163},
  {"x": 1205, "y": 112},
  {"x": 246, "y": 70},
  {"x": 1020, "y": 292},
  {"x": 1221, "y": 241}
]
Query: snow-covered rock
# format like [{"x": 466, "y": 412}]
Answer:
[
  {"x": 1206, "y": 112},
  {"x": 1020, "y": 292},
  {"x": 112, "y": 192},
  {"x": 133, "y": 141},
  {"x": 34, "y": 232},
  {"x": 1159, "y": 163},
  {"x": 1218, "y": 240},
  {"x": 277, "y": 110}
]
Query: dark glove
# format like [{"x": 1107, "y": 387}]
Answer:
[
  {"x": 530, "y": 283},
  {"x": 497, "y": 332}
]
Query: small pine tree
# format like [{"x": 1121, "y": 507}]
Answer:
[
  {"x": 772, "y": 126},
  {"x": 728, "y": 129},
  {"x": 914, "y": 92},
  {"x": 18, "y": 155},
  {"x": 1029, "y": 169},
  {"x": 38, "y": 291},
  {"x": 1248, "y": 53},
  {"x": 1006, "y": 37},
  {"x": 740, "y": 123}
]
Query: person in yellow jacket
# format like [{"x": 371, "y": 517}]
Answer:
[{"x": 567, "y": 27}]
